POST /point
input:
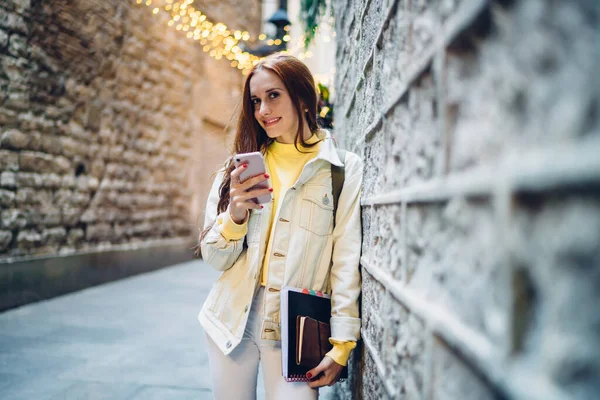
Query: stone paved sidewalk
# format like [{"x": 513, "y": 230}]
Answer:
[{"x": 135, "y": 339}]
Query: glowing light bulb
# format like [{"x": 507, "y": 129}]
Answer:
[{"x": 215, "y": 38}]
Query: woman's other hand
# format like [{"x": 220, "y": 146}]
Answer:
[
  {"x": 330, "y": 373},
  {"x": 241, "y": 197}
]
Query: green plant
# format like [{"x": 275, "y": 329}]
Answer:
[
  {"x": 325, "y": 108},
  {"x": 310, "y": 13}
]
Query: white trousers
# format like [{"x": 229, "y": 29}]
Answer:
[{"x": 234, "y": 377}]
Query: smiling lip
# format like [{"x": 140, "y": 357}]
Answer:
[{"x": 270, "y": 122}]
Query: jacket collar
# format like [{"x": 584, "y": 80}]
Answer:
[{"x": 328, "y": 150}]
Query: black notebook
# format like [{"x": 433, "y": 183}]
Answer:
[{"x": 300, "y": 302}]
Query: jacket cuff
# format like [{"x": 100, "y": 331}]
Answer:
[
  {"x": 345, "y": 329},
  {"x": 229, "y": 229},
  {"x": 341, "y": 351}
]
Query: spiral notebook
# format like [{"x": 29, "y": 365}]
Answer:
[{"x": 300, "y": 302}]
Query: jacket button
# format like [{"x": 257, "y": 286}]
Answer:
[{"x": 228, "y": 344}]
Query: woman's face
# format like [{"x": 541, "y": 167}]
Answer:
[{"x": 273, "y": 108}]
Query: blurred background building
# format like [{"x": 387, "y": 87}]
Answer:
[
  {"x": 114, "y": 117},
  {"x": 112, "y": 123}
]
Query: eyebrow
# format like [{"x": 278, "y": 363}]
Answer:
[{"x": 266, "y": 91}]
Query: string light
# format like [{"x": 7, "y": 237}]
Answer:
[
  {"x": 217, "y": 40},
  {"x": 221, "y": 42}
]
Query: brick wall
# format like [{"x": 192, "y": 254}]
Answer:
[
  {"x": 102, "y": 124},
  {"x": 478, "y": 122}
]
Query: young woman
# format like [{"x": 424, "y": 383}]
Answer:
[{"x": 291, "y": 241}]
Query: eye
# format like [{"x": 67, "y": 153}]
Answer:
[
  {"x": 255, "y": 101},
  {"x": 273, "y": 95}
]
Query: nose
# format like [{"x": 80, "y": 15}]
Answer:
[{"x": 264, "y": 109}]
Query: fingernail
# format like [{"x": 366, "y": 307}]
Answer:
[
  {"x": 245, "y": 165},
  {"x": 262, "y": 206},
  {"x": 270, "y": 189},
  {"x": 308, "y": 375},
  {"x": 266, "y": 175}
]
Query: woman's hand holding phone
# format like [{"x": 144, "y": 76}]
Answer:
[{"x": 242, "y": 195}]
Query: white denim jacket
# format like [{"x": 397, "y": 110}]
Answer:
[{"x": 307, "y": 253}]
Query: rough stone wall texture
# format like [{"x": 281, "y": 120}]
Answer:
[
  {"x": 102, "y": 124},
  {"x": 479, "y": 125}
]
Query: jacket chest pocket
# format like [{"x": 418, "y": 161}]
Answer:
[{"x": 316, "y": 213}]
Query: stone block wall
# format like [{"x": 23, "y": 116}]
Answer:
[
  {"x": 478, "y": 122},
  {"x": 100, "y": 120}
]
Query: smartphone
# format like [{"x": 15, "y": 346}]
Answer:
[{"x": 256, "y": 166}]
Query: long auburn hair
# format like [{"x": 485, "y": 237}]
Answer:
[{"x": 250, "y": 136}]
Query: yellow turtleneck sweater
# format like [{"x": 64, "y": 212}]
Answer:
[{"x": 285, "y": 164}]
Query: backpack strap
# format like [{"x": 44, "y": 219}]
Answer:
[{"x": 338, "y": 175}]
